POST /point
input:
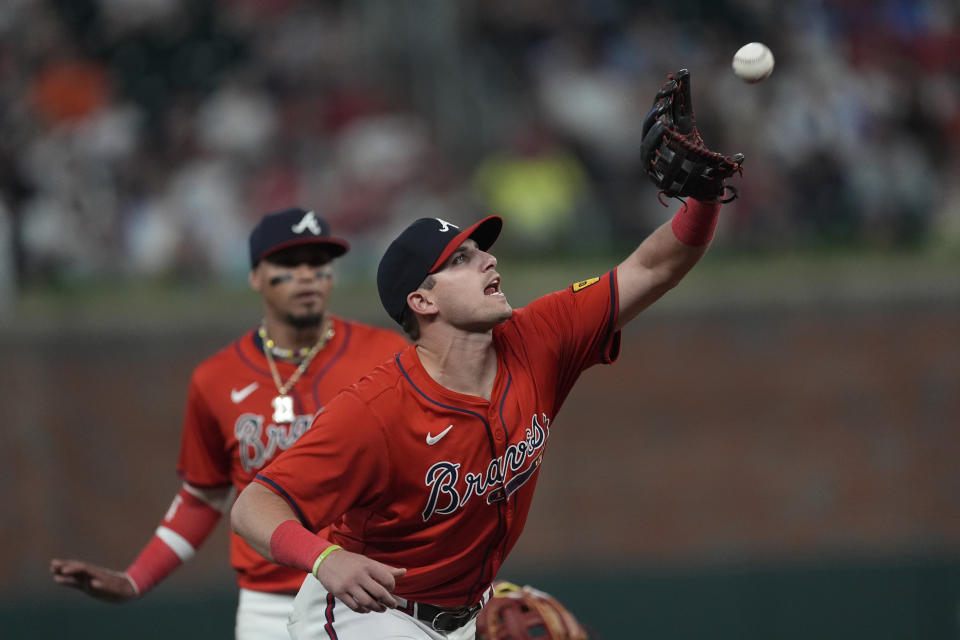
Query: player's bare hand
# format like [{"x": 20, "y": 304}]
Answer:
[
  {"x": 98, "y": 582},
  {"x": 362, "y": 584}
]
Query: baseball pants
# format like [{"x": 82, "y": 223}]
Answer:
[
  {"x": 315, "y": 617},
  {"x": 263, "y": 616}
]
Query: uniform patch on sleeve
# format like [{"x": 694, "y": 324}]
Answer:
[{"x": 583, "y": 284}]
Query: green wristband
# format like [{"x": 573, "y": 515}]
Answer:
[{"x": 322, "y": 556}]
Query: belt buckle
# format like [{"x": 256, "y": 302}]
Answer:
[
  {"x": 436, "y": 619},
  {"x": 457, "y": 619}
]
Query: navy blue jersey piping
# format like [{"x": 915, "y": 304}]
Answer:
[
  {"x": 500, "y": 523},
  {"x": 613, "y": 319},
  {"x": 286, "y": 496},
  {"x": 406, "y": 375},
  {"x": 470, "y": 599},
  {"x": 246, "y": 360}
]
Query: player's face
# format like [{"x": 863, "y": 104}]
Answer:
[
  {"x": 295, "y": 284},
  {"x": 467, "y": 290}
]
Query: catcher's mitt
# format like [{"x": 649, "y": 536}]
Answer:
[
  {"x": 516, "y": 613},
  {"x": 673, "y": 153}
]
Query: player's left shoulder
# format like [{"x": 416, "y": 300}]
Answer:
[
  {"x": 595, "y": 286},
  {"x": 563, "y": 306}
]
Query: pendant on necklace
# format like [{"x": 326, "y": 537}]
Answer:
[{"x": 282, "y": 409}]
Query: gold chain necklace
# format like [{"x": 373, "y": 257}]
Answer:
[{"x": 283, "y": 403}]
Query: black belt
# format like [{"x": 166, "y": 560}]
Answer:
[{"x": 444, "y": 618}]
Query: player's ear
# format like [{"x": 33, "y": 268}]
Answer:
[
  {"x": 421, "y": 302},
  {"x": 255, "y": 279}
]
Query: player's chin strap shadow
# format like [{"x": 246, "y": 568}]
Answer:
[{"x": 734, "y": 194}]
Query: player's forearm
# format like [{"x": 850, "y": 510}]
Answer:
[
  {"x": 256, "y": 514},
  {"x": 664, "y": 258},
  {"x": 191, "y": 518},
  {"x": 268, "y": 524}
]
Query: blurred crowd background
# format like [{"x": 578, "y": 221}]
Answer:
[{"x": 142, "y": 138}]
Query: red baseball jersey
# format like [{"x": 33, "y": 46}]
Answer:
[
  {"x": 229, "y": 433},
  {"x": 414, "y": 475}
]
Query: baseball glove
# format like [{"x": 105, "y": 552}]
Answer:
[
  {"x": 524, "y": 613},
  {"x": 673, "y": 152}
]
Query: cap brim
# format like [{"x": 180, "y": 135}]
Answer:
[
  {"x": 334, "y": 246},
  {"x": 485, "y": 233}
]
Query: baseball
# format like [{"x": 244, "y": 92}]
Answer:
[{"x": 753, "y": 62}]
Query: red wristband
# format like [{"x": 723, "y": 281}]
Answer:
[
  {"x": 695, "y": 223},
  {"x": 292, "y": 545},
  {"x": 187, "y": 523},
  {"x": 155, "y": 562}
]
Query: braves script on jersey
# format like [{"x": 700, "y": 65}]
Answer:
[
  {"x": 439, "y": 482},
  {"x": 229, "y": 435}
]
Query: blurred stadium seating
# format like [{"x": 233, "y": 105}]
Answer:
[{"x": 151, "y": 134}]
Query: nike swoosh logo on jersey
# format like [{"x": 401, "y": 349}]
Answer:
[
  {"x": 240, "y": 396},
  {"x": 432, "y": 440}
]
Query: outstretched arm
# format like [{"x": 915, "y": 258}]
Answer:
[
  {"x": 191, "y": 518},
  {"x": 664, "y": 258},
  {"x": 269, "y": 525},
  {"x": 678, "y": 162}
]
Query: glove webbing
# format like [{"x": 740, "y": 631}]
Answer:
[{"x": 679, "y": 168}]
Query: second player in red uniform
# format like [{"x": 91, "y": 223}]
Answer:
[{"x": 246, "y": 404}]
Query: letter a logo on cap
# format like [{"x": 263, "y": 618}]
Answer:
[
  {"x": 446, "y": 226},
  {"x": 307, "y": 222}
]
